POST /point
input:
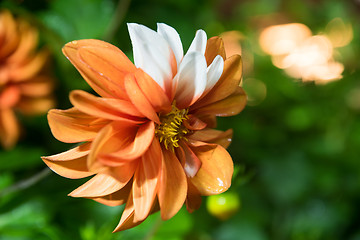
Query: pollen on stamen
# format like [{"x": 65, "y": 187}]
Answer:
[{"x": 171, "y": 129}]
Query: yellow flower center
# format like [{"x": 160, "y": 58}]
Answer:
[{"x": 171, "y": 129}]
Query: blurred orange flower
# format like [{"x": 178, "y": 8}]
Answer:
[
  {"x": 149, "y": 139},
  {"x": 23, "y": 86},
  {"x": 306, "y": 56}
]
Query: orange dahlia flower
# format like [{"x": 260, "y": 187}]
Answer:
[
  {"x": 148, "y": 139},
  {"x": 23, "y": 87}
]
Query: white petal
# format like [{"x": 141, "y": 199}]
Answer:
[
  {"x": 199, "y": 42},
  {"x": 152, "y": 53},
  {"x": 173, "y": 39},
  {"x": 214, "y": 72},
  {"x": 155, "y": 65},
  {"x": 191, "y": 79}
]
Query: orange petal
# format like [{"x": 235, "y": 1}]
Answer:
[
  {"x": 72, "y": 126},
  {"x": 118, "y": 143},
  {"x": 137, "y": 147},
  {"x": 110, "y": 139},
  {"x": 108, "y": 108},
  {"x": 209, "y": 135},
  {"x": 180, "y": 154},
  {"x": 102, "y": 84},
  {"x": 194, "y": 123},
  {"x": 28, "y": 42},
  {"x": 138, "y": 98},
  {"x": 11, "y": 36},
  {"x": 34, "y": 106},
  {"x": 193, "y": 199},
  {"x": 37, "y": 87},
  {"x": 106, "y": 183},
  {"x": 100, "y": 185},
  {"x": 70, "y": 164},
  {"x": 216, "y": 171},
  {"x": 214, "y": 47},
  {"x": 153, "y": 92},
  {"x": 229, "y": 106},
  {"x": 173, "y": 186},
  {"x": 146, "y": 177},
  {"x": 110, "y": 161},
  {"x": 9, "y": 128},
  {"x": 110, "y": 66},
  {"x": 117, "y": 198},
  {"x": 192, "y": 162},
  {"x": 227, "y": 84},
  {"x": 210, "y": 120},
  {"x": 32, "y": 67},
  {"x": 9, "y": 96},
  {"x": 128, "y": 216}
]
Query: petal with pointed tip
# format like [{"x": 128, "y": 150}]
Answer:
[
  {"x": 214, "y": 72},
  {"x": 117, "y": 198},
  {"x": 173, "y": 186},
  {"x": 105, "y": 183},
  {"x": 153, "y": 92},
  {"x": 229, "y": 106},
  {"x": 70, "y": 164},
  {"x": 128, "y": 216},
  {"x": 73, "y": 126},
  {"x": 192, "y": 162},
  {"x": 210, "y": 120},
  {"x": 152, "y": 53},
  {"x": 199, "y": 42},
  {"x": 214, "y": 47},
  {"x": 109, "y": 140},
  {"x": 137, "y": 147},
  {"x": 226, "y": 85},
  {"x": 138, "y": 98},
  {"x": 194, "y": 123},
  {"x": 213, "y": 136},
  {"x": 108, "y": 108}
]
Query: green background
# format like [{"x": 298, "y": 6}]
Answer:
[{"x": 296, "y": 151}]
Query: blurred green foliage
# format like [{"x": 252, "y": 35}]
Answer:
[{"x": 296, "y": 150}]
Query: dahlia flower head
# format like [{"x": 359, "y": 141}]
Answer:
[
  {"x": 24, "y": 86},
  {"x": 148, "y": 138}
]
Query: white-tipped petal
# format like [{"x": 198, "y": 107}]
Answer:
[
  {"x": 191, "y": 79},
  {"x": 156, "y": 66},
  {"x": 214, "y": 72},
  {"x": 152, "y": 53},
  {"x": 173, "y": 39},
  {"x": 199, "y": 42}
]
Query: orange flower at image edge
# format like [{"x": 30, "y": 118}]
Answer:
[
  {"x": 148, "y": 139},
  {"x": 24, "y": 87}
]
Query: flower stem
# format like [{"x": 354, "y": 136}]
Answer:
[
  {"x": 23, "y": 184},
  {"x": 118, "y": 17}
]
